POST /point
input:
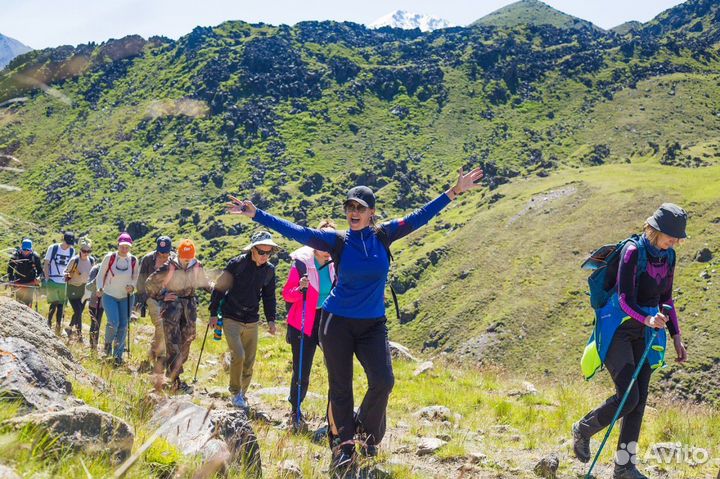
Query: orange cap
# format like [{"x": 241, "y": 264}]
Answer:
[{"x": 186, "y": 250}]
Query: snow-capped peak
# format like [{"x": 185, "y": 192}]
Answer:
[{"x": 409, "y": 20}]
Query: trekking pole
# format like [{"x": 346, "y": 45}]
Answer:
[
  {"x": 36, "y": 293},
  {"x": 202, "y": 348},
  {"x": 298, "y": 416},
  {"x": 128, "y": 325},
  {"x": 665, "y": 308}
]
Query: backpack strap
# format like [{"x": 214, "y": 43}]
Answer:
[
  {"x": 642, "y": 256},
  {"x": 73, "y": 264},
  {"x": 336, "y": 254},
  {"x": 385, "y": 240},
  {"x": 109, "y": 268},
  {"x": 301, "y": 267}
]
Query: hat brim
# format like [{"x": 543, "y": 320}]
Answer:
[
  {"x": 356, "y": 200},
  {"x": 653, "y": 222},
  {"x": 124, "y": 243},
  {"x": 265, "y": 242}
]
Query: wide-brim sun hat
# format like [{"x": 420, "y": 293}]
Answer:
[{"x": 261, "y": 238}]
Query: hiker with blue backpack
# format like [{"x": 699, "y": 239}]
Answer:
[
  {"x": 56, "y": 260},
  {"x": 309, "y": 283},
  {"x": 353, "y": 321},
  {"x": 115, "y": 281},
  {"x": 77, "y": 275},
  {"x": 632, "y": 282}
]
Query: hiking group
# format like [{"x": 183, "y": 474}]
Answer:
[{"x": 336, "y": 296}]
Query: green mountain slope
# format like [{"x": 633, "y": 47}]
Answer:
[
  {"x": 627, "y": 27},
  {"x": 149, "y": 136},
  {"x": 532, "y": 12}
]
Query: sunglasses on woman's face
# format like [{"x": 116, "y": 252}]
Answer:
[
  {"x": 351, "y": 207},
  {"x": 263, "y": 252},
  {"x": 85, "y": 251}
]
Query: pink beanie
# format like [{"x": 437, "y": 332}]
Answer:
[{"x": 125, "y": 239}]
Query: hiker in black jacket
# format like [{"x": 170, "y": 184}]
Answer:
[
  {"x": 24, "y": 272},
  {"x": 244, "y": 281}
]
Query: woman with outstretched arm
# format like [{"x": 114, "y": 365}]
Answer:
[{"x": 353, "y": 315}]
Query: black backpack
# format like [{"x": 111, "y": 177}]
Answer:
[{"x": 340, "y": 246}]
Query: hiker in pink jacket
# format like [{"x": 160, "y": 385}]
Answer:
[{"x": 312, "y": 270}]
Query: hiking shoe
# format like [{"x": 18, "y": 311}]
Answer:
[
  {"x": 117, "y": 362},
  {"x": 70, "y": 333},
  {"x": 183, "y": 387},
  {"x": 581, "y": 444},
  {"x": 297, "y": 422},
  {"x": 342, "y": 464},
  {"x": 369, "y": 450},
  {"x": 240, "y": 401},
  {"x": 628, "y": 471}
]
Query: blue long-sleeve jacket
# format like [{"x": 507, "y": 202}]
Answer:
[{"x": 364, "y": 264}]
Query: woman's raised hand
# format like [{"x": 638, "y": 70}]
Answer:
[
  {"x": 467, "y": 181},
  {"x": 240, "y": 207}
]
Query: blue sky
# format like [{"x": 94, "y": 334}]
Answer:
[{"x": 49, "y": 23}]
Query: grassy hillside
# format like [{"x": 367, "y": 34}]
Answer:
[{"x": 594, "y": 128}]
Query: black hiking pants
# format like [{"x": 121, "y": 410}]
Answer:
[
  {"x": 56, "y": 309},
  {"x": 340, "y": 339},
  {"x": 625, "y": 351},
  {"x": 96, "y": 313},
  {"x": 75, "y": 294},
  {"x": 310, "y": 344}
]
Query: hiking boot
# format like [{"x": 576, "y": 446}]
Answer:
[
  {"x": 297, "y": 422},
  {"x": 182, "y": 387},
  {"x": 117, "y": 362},
  {"x": 69, "y": 333},
  {"x": 57, "y": 329},
  {"x": 342, "y": 463},
  {"x": 369, "y": 450},
  {"x": 240, "y": 401},
  {"x": 581, "y": 444},
  {"x": 108, "y": 350},
  {"x": 628, "y": 471},
  {"x": 582, "y": 431}
]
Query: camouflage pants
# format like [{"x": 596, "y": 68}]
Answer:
[{"x": 178, "y": 320}]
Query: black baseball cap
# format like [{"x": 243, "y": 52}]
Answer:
[
  {"x": 164, "y": 244},
  {"x": 69, "y": 238},
  {"x": 363, "y": 195},
  {"x": 669, "y": 219}
]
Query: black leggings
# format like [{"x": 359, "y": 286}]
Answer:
[
  {"x": 78, "y": 307},
  {"x": 340, "y": 339},
  {"x": 625, "y": 352},
  {"x": 310, "y": 344},
  {"x": 75, "y": 294},
  {"x": 57, "y": 309},
  {"x": 96, "y": 314}
]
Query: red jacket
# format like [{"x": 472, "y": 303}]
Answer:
[{"x": 292, "y": 293}]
